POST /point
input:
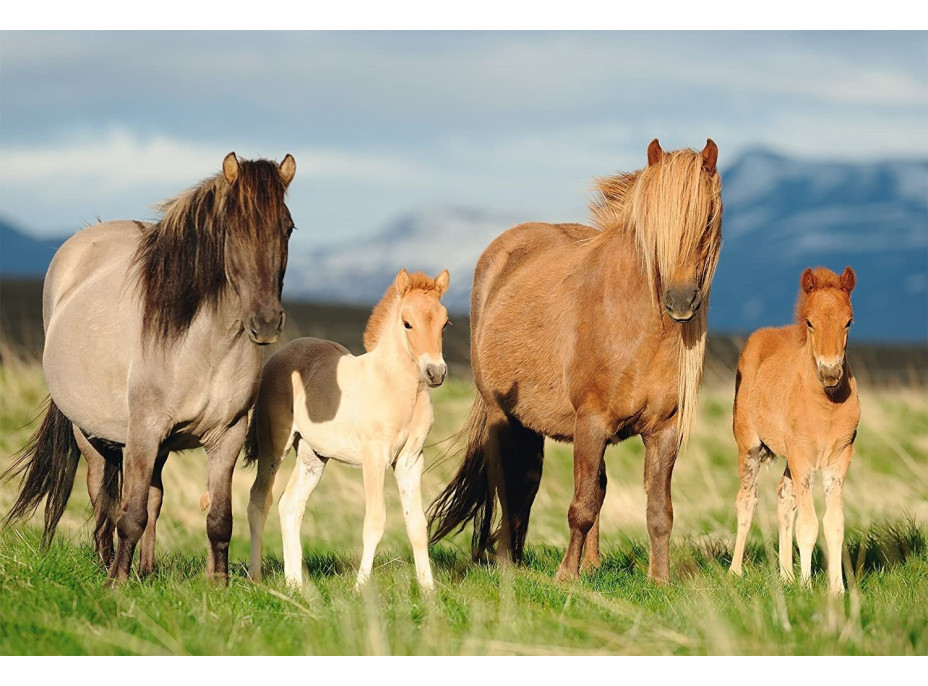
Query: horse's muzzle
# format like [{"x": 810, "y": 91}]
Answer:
[
  {"x": 682, "y": 304},
  {"x": 264, "y": 329}
]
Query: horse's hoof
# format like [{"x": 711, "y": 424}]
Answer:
[
  {"x": 564, "y": 574},
  {"x": 591, "y": 566}
]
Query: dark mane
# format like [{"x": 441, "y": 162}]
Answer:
[{"x": 181, "y": 260}]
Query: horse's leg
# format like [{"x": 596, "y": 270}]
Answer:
[
  {"x": 222, "y": 455},
  {"x": 591, "y": 557},
  {"x": 102, "y": 487},
  {"x": 786, "y": 517},
  {"x": 746, "y": 502},
  {"x": 590, "y": 435},
  {"x": 833, "y": 522},
  {"x": 408, "y": 473},
  {"x": 141, "y": 451},
  {"x": 521, "y": 459},
  {"x": 806, "y": 520},
  {"x": 660, "y": 454},
  {"x": 259, "y": 504},
  {"x": 155, "y": 497},
  {"x": 292, "y": 506},
  {"x": 375, "y": 516}
]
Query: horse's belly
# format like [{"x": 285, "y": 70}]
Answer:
[{"x": 86, "y": 375}]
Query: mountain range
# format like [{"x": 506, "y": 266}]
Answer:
[{"x": 781, "y": 215}]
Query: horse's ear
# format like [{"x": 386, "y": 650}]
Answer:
[
  {"x": 402, "y": 283},
  {"x": 710, "y": 156},
  {"x": 230, "y": 167},
  {"x": 848, "y": 279},
  {"x": 807, "y": 280},
  {"x": 441, "y": 282},
  {"x": 287, "y": 170},
  {"x": 654, "y": 152}
]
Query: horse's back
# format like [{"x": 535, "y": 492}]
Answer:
[
  {"x": 524, "y": 245},
  {"x": 106, "y": 247}
]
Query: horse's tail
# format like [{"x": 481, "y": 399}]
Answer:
[
  {"x": 468, "y": 496},
  {"x": 47, "y": 464},
  {"x": 251, "y": 440}
]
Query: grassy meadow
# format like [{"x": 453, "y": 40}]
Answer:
[{"x": 55, "y": 603}]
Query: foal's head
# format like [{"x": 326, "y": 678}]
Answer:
[
  {"x": 420, "y": 317},
  {"x": 824, "y": 313}
]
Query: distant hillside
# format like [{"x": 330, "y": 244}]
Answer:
[
  {"x": 23, "y": 255},
  {"x": 781, "y": 215}
]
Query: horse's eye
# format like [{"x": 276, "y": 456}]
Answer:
[
  {"x": 849, "y": 322},
  {"x": 290, "y": 231},
  {"x": 407, "y": 325},
  {"x": 447, "y": 324},
  {"x": 808, "y": 323}
]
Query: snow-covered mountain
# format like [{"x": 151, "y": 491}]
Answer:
[
  {"x": 781, "y": 215},
  {"x": 431, "y": 240}
]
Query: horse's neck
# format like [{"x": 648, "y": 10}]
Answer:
[
  {"x": 624, "y": 281},
  {"x": 391, "y": 359}
]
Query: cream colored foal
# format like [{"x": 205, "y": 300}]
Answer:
[{"x": 371, "y": 411}]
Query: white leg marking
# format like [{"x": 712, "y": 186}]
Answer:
[
  {"x": 408, "y": 472},
  {"x": 292, "y": 507}
]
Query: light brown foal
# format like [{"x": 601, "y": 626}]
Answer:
[{"x": 795, "y": 396}]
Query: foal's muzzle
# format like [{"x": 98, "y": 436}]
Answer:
[
  {"x": 264, "y": 327},
  {"x": 830, "y": 374},
  {"x": 435, "y": 373},
  {"x": 682, "y": 303}
]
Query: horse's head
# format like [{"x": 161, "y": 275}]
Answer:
[
  {"x": 423, "y": 320},
  {"x": 258, "y": 227},
  {"x": 825, "y": 313},
  {"x": 676, "y": 208}
]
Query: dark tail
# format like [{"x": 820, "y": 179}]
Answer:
[
  {"x": 468, "y": 496},
  {"x": 251, "y": 440},
  {"x": 47, "y": 464}
]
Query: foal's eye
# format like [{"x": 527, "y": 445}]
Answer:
[
  {"x": 849, "y": 322},
  {"x": 407, "y": 325},
  {"x": 808, "y": 323},
  {"x": 447, "y": 324},
  {"x": 290, "y": 231}
]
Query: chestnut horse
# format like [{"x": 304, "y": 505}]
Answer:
[
  {"x": 590, "y": 335},
  {"x": 795, "y": 396},
  {"x": 372, "y": 411},
  {"x": 152, "y": 335}
]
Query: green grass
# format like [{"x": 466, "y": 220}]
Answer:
[{"x": 55, "y": 602}]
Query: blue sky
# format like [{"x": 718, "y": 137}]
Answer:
[{"x": 107, "y": 124}]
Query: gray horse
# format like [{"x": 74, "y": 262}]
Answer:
[{"x": 152, "y": 335}]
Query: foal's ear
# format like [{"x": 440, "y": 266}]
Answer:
[
  {"x": 654, "y": 152},
  {"x": 710, "y": 156},
  {"x": 848, "y": 279},
  {"x": 230, "y": 167},
  {"x": 441, "y": 282},
  {"x": 402, "y": 283},
  {"x": 287, "y": 170},
  {"x": 807, "y": 280}
]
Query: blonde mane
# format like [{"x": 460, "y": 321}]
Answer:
[
  {"x": 380, "y": 315},
  {"x": 673, "y": 211}
]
